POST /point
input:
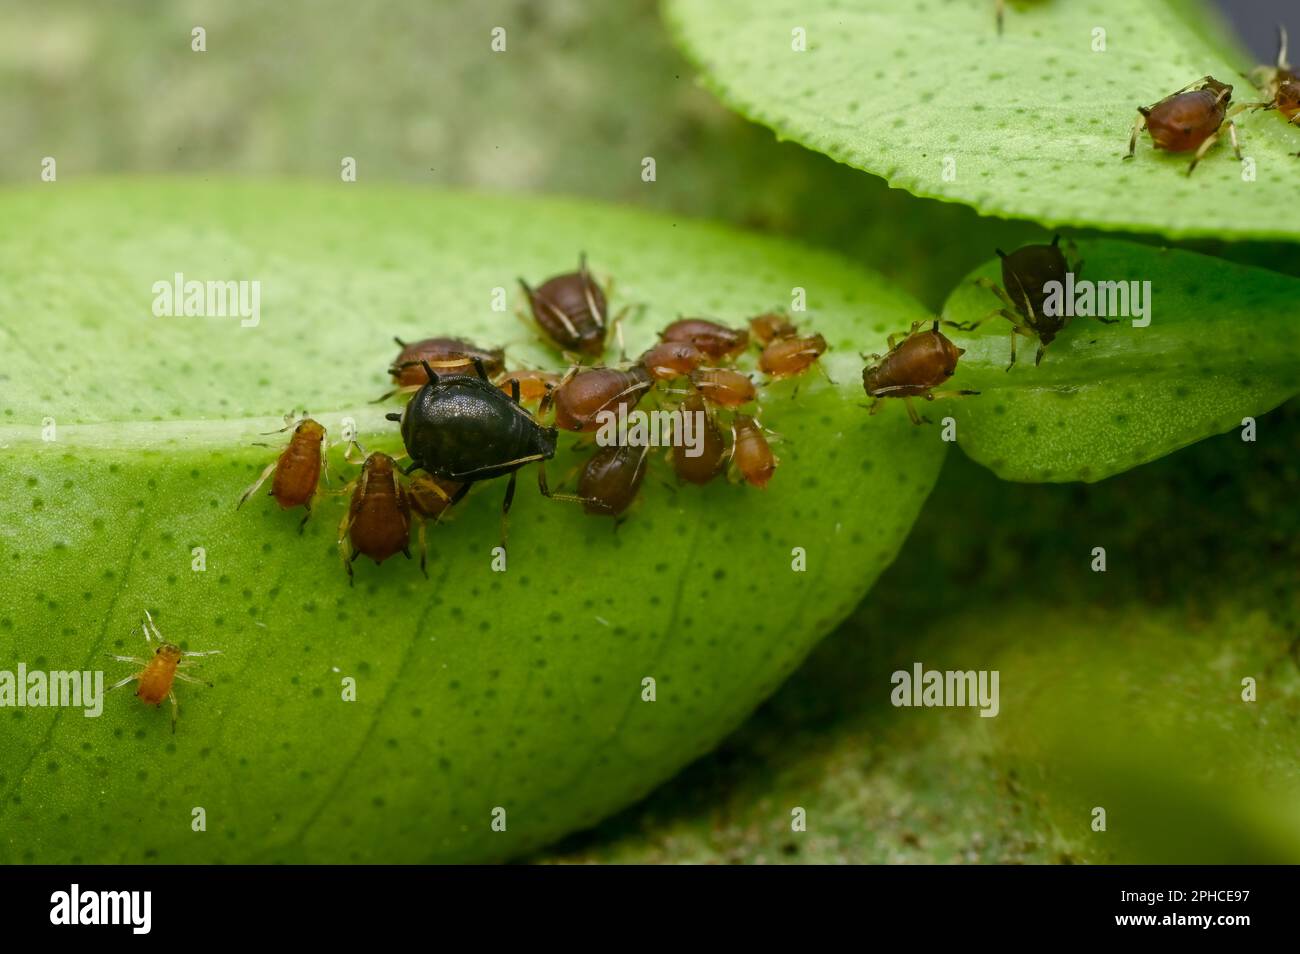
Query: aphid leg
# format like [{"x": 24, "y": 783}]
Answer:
[
  {"x": 344, "y": 544},
  {"x": 1204, "y": 148},
  {"x": 207, "y": 652},
  {"x": 424, "y": 548},
  {"x": 874, "y": 406},
  {"x": 551, "y": 494},
  {"x": 1139, "y": 124},
  {"x": 939, "y": 395},
  {"x": 505, "y": 507},
  {"x": 1014, "y": 332},
  {"x": 324, "y": 460},
  {"x": 911, "y": 410},
  {"x": 186, "y": 677},
  {"x": 122, "y": 682},
  {"x": 302, "y": 524},
  {"x": 131, "y": 659},
  {"x": 998, "y": 290},
  {"x": 176, "y": 709},
  {"x": 1038, "y": 358},
  {"x": 252, "y": 489},
  {"x": 549, "y": 397},
  {"x": 1232, "y": 134}
]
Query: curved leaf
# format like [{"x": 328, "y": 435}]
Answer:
[
  {"x": 1221, "y": 346},
  {"x": 1032, "y": 124},
  {"x": 475, "y": 689}
]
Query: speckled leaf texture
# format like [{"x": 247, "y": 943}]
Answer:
[
  {"x": 475, "y": 689},
  {"x": 1031, "y": 124},
  {"x": 1221, "y": 346}
]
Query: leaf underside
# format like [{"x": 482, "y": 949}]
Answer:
[{"x": 1032, "y": 124}]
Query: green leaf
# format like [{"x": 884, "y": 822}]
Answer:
[
  {"x": 475, "y": 689},
  {"x": 1120, "y": 689},
  {"x": 1034, "y": 123},
  {"x": 1221, "y": 346}
]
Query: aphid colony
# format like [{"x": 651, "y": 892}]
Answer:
[{"x": 469, "y": 419}]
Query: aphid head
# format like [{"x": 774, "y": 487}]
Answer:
[
  {"x": 309, "y": 428},
  {"x": 169, "y": 651},
  {"x": 378, "y": 464},
  {"x": 1221, "y": 91}
]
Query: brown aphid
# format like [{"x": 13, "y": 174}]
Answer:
[
  {"x": 671, "y": 359},
  {"x": 751, "y": 452},
  {"x": 1280, "y": 83},
  {"x": 715, "y": 340},
  {"x": 445, "y": 355},
  {"x": 611, "y": 479},
  {"x": 723, "y": 387},
  {"x": 772, "y": 326},
  {"x": 788, "y": 357},
  {"x": 533, "y": 385},
  {"x": 584, "y": 394},
  {"x": 914, "y": 366},
  {"x": 1026, "y": 274},
  {"x": 297, "y": 470},
  {"x": 377, "y": 523},
  {"x": 572, "y": 310},
  {"x": 711, "y": 460},
  {"x": 430, "y": 497},
  {"x": 1188, "y": 120},
  {"x": 160, "y": 671}
]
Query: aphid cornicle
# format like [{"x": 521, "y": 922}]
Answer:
[
  {"x": 914, "y": 366},
  {"x": 1026, "y": 273},
  {"x": 715, "y": 340},
  {"x": 466, "y": 429},
  {"x": 159, "y": 672},
  {"x": 583, "y": 394},
  {"x": 572, "y": 310},
  {"x": 377, "y": 522},
  {"x": 751, "y": 452},
  {"x": 1190, "y": 119},
  {"x": 711, "y": 460},
  {"x": 297, "y": 470},
  {"x": 611, "y": 479}
]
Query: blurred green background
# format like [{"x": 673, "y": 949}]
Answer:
[{"x": 1119, "y": 689}]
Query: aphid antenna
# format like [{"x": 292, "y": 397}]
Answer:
[{"x": 1282, "y": 63}]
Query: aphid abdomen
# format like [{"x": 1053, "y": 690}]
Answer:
[
  {"x": 706, "y": 465},
  {"x": 611, "y": 479},
  {"x": 297, "y": 474},
  {"x": 1183, "y": 122},
  {"x": 752, "y": 453},
  {"x": 156, "y": 678},
  {"x": 381, "y": 520},
  {"x": 580, "y": 401}
]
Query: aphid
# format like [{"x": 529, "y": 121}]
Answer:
[
  {"x": 723, "y": 387},
  {"x": 772, "y": 326},
  {"x": 572, "y": 310},
  {"x": 533, "y": 385},
  {"x": 161, "y": 670},
  {"x": 377, "y": 523},
  {"x": 1280, "y": 83},
  {"x": 671, "y": 359},
  {"x": 465, "y": 429},
  {"x": 445, "y": 355},
  {"x": 1026, "y": 273},
  {"x": 751, "y": 452},
  {"x": 1190, "y": 119},
  {"x": 611, "y": 479},
  {"x": 914, "y": 366},
  {"x": 580, "y": 398},
  {"x": 712, "y": 445},
  {"x": 429, "y": 497},
  {"x": 297, "y": 470},
  {"x": 715, "y": 340},
  {"x": 787, "y": 357}
]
